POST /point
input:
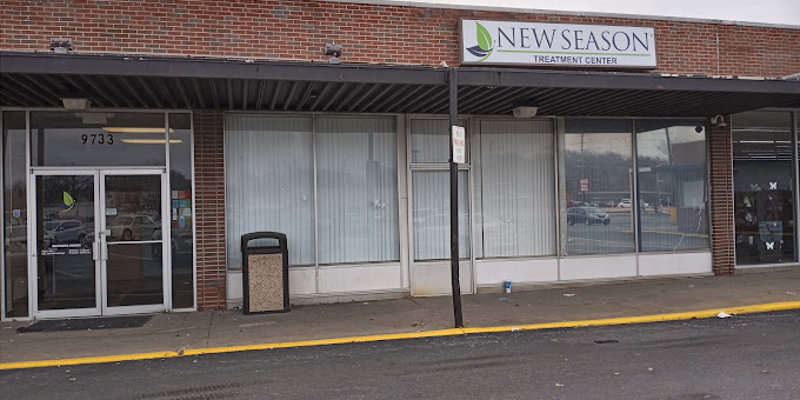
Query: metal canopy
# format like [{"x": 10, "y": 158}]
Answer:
[{"x": 42, "y": 79}]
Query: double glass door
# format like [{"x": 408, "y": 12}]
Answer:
[{"x": 100, "y": 243}]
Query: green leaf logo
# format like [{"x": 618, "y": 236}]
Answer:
[
  {"x": 484, "y": 38},
  {"x": 484, "y": 48},
  {"x": 69, "y": 202}
]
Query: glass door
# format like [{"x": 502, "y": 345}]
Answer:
[
  {"x": 430, "y": 222},
  {"x": 66, "y": 275},
  {"x": 100, "y": 244},
  {"x": 132, "y": 221}
]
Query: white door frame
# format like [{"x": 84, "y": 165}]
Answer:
[
  {"x": 166, "y": 283},
  {"x": 33, "y": 263},
  {"x": 466, "y": 266},
  {"x": 100, "y": 250}
]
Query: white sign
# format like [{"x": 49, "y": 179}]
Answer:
[
  {"x": 459, "y": 144},
  {"x": 536, "y": 43},
  {"x": 583, "y": 184}
]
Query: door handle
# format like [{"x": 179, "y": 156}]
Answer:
[{"x": 95, "y": 250}]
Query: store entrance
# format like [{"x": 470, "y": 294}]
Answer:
[{"x": 99, "y": 242}]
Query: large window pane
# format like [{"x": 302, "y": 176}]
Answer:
[
  {"x": 269, "y": 182},
  {"x": 181, "y": 218},
  {"x": 357, "y": 189},
  {"x": 62, "y": 139},
  {"x": 598, "y": 175},
  {"x": 763, "y": 182},
  {"x": 431, "y": 215},
  {"x": 517, "y": 188},
  {"x": 430, "y": 140},
  {"x": 672, "y": 185},
  {"x": 15, "y": 214}
]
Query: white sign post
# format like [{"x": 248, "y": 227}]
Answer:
[
  {"x": 537, "y": 43},
  {"x": 459, "y": 144}
]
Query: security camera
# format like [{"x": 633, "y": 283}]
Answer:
[
  {"x": 718, "y": 120},
  {"x": 334, "y": 50},
  {"x": 698, "y": 128}
]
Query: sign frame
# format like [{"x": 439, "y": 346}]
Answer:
[
  {"x": 463, "y": 47},
  {"x": 458, "y": 136}
]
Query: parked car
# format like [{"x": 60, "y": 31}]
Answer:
[
  {"x": 134, "y": 227},
  {"x": 587, "y": 216},
  {"x": 625, "y": 203},
  {"x": 66, "y": 231}
]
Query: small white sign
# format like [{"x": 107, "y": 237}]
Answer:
[
  {"x": 459, "y": 145},
  {"x": 584, "y": 184},
  {"x": 111, "y": 212},
  {"x": 538, "y": 43}
]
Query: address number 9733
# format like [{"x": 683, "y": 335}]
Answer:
[{"x": 97, "y": 138}]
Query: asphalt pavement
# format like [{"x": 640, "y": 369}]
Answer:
[
  {"x": 744, "y": 357},
  {"x": 175, "y": 334}
]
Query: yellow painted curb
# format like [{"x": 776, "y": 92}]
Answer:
[
  {"x": 88, "y": 360},
  {"x": 757, "y": 308}
]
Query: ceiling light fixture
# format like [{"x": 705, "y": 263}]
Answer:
[
  {"x": 75, "y": 103},
  {"x": 525, "y": 111},
  {"x": 130, "y": 129},
  {"x": 151, "y": 141}
]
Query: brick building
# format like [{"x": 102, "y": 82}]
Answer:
[{"x": 141, "y": 139}]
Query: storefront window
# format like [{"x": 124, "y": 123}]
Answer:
[
  {"x": 182, "y": 218},
  {"x": 357, "y": 190},
  {"x": 514, "y": 167},
  {"x": 269, "y": 182},
  {"x": 15, "y": 215},
  {"x": 64, "y": 139},
  {"x": 671, "y": 159},
  {"x": 764, "y": 175},
  {"x": 598, "y": 173}
]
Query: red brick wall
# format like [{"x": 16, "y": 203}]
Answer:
[
  {"x": 210, "y": 209},
  {"x": 370, "y": 34},
  {"x": 721, "y": 191}
]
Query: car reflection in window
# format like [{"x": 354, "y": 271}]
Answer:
[{"x": 587, "y": 215}]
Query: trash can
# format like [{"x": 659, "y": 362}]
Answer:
[{"x": 265, "y": 273}]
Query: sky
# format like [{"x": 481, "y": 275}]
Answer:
[{"x": 784, "y": 12}]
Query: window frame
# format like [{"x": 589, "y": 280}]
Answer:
[
  {"x": 561, "y": 171},
  {"x": 312, "y": 116}
]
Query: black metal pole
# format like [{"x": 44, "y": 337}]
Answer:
[{"x": 454, "y": 270}]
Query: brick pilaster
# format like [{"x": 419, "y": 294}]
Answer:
[
  {"x": 721, "y": 193},
  {"x": 210, "y": 219}
]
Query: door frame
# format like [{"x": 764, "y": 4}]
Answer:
[
  {"x": 33, "y": 262},
  {"x": 166, "y": 281},
  {"x": 99, "y": 246},
  {"x": 467, "y": 265}
]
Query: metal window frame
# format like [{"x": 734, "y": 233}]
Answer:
[
  {"x": 30, "y": 201},
  {"x": 313, "y": 117},
  {"x": 194, "y": 213},
  {"x": 794, "y": 120}
]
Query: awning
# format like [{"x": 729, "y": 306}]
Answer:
[{"x": 42, "y": 79}]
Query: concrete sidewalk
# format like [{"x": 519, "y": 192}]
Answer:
[{"x": 176, "y": 332}]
